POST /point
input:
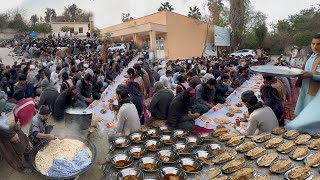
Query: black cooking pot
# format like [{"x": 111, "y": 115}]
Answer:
[{"x": 43, "y": 144}]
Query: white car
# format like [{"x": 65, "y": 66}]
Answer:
[
  {"x": 117, "y": 46},
  {"x": 244, "y": 52}
]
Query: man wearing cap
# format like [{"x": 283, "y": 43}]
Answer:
[{"x": 39, "y": 129}]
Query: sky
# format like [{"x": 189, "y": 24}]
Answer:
[{"x": 108, "y": 12}]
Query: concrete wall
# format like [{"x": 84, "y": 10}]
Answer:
[
  {"x": 7, "y": 34},
  {"x": 56, "y": 26},
  {"x": 186, "y": 36},
  {"x": 157, "y": 18}
]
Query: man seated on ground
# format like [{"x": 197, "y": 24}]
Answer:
[
  {"x": 221, "y": 89},
  {"x": 84, "y": 92},
  {"x": 126, "y": 113},
  {"x": 166, "y": 80},
  {"x": 182, "y": 84},
  {"x": 5, "y": 106},
  {"x": 39, "y": 129},
  {"x": 160, "y": 102},
  {"x": 179, "y": 116},
  {"x": 261, "y": 118},
  {"x": 205, "y": 93},
  {"x": 39, "y": 77},
  {"x": 23, "y": 85},
  {"x": 25, "y": 108},
  {"x": 49, "y": 95},
  {"x": 270, "y": 97}
]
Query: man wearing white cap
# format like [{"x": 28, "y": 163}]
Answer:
[{"x": 31, "y": 76}]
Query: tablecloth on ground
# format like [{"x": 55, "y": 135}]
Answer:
[
  {"x": 109, "y": 93},
  {"x": 253, "y": 84}
]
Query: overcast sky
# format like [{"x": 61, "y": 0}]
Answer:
[{"x": 108, "y": 12}]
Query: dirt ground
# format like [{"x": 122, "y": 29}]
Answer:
[{"x": 98, "y": 138}]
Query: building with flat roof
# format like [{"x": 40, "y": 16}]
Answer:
[{"x": 167, "y": 34}]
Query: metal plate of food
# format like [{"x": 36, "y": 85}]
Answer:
[
  {"x": 165, "y": 129},
  {"x": 313, "y": 160},
  {"x": 233, "y": 166},
  {"x": 153, "y": 145},
  {"x": 172, "y": 173},
  {"x": 298, "y": 173},
  {"x": 168, "y": 139},
  {"x": 280, "y": 71},
  {"x": 121, "y": 161},
  {"x": 267, "y": 159},
  {"x": 130, "y": 173},
  {"x": 255, "y": 152},
  {"x": 206, "y": 137},
  {"x": 203, "y": 156},
  {"x": 138, "y": 137},
  {"x": 190, "y": 165},
  {"x": 149, "y": 164},
  {"x": 182, "y": 149},
  {"x": 280, "y": 166},
  {"x": 314, "y": 144},
  {"x": 181, "y": 134},
  {"x": 194, "y": 141},
  {"x": 137, "y": 152},
  {"x": 167, "y": 156},
  {"x": 153, "y": 133},
  {"x": 299, "y": 153},
  {"x": 121, "y": 142}
]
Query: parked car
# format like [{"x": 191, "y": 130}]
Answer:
[
  {"x": 117, "y": 46},
  {"x": 244, "y": 52}
]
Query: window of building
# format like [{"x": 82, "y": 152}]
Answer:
[
  {"x": 80, "y": 29},
  {"x": 72, "y": 30}
]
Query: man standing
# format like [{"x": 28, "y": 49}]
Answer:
[{"x": 310, "y": 78}]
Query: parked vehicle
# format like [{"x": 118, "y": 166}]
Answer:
[
  {"x": 117, "y": 46},
  {"x": 244, "y": 52}
]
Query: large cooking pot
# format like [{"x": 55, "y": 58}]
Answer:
[
  {"x": 78, "y": 118},
  {"x": 43, "y": 144}
]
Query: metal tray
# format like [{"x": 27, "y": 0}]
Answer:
[{"x": 280, "y": 71}]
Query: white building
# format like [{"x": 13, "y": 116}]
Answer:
[{"x": 79, "y": 28}]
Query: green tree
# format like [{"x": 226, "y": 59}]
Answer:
[
  {"x": 34, "y": 19},
  {"x": 44, "y": 28},
  {"x": 107, "y": 37},
  {"x": 216, "y": 9},
  {"x": 194, "y": 12},
  {"x": 261, "y": 32},
  {"x": 65, "y": 29},
  {"x": 4, "y": 21},
  {"x": 166, "y": 6},
  {"x": 303, "y": 38},
  {"x": 18, "y": 23},
  {"x": 97, "y": 31},
  {"x": 74, "y": 13},
  {"x": 126, "y": 17},
  {"x": 238, "y": 9},
  {"x": 50, "y": 13}
]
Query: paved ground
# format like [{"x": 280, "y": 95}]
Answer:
[{"x": 98, "y": 138}]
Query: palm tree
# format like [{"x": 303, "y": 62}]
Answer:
[
  {"x": 166, "y": 6},
  {"x": 237, "y": 18},
  {"x": 34, "y": 19},
  {"x": 126, "y": 17},
  {"x": 194, "y": 13}
]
